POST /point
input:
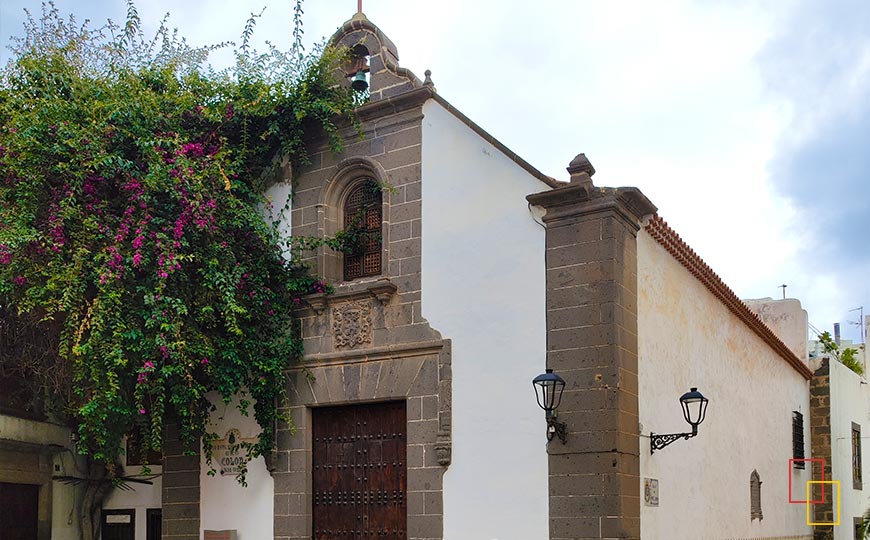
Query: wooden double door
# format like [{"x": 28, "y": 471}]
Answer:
[{"x": 359, "y": 472}]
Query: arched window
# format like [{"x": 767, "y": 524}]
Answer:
[
  {"x": 362, "y": 223},
  {"x": 755, "y": 496}
]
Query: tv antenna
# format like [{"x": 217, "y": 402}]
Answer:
[{"x": 860, "y": 322}]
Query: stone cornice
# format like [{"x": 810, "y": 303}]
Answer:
[
  {"x": 571, "y": 200},
  {"x": 659, "y": 230},
  {"x": 395, "y": 104},
  {"x": 382, "y": 289},
  {"x": 388, "y": 352}
]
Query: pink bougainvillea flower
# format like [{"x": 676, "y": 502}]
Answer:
[
  {"x": 142, "y": 411},
  {"x": 19, "y": 280},
  {"x": 204, "y": 361}
]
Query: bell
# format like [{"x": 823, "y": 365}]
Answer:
[{"x": 359, "y": 82}]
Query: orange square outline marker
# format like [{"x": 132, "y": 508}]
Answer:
[
  {"x": 791, "y": 461},
  {"x": 835, "y": 483}
]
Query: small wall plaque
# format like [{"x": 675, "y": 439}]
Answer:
[
  {"x": 228, "y": 453},
  {"x": 650, "y": 492},
  {"x": 229, "y": 534},
  {"x": 118, "y": 518}
]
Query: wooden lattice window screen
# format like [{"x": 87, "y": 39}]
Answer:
[
  {"x": 755, "y": 496},
  {"x": 797, "y": 439},
  {"x": 363, "y": 217}
]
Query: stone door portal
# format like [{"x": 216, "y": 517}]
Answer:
[{"x": 359, "y": 472}]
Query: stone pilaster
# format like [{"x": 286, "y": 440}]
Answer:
[
  {"x": 592, "y": 343},
  {"x": 181, "y": 491},
  {"x": 820, "y": 441}
]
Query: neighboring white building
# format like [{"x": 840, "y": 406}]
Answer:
[
  {"x": 849, "y": 416},
  {"x": 817, "y": 351}
]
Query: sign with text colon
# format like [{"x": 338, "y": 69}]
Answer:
[{"x": 229, "y": 454}]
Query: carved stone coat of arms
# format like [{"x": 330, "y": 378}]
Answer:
[{"x": 352, "y": 324}]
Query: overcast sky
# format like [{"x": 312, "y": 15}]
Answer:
[{"x": 747, "y": 123}]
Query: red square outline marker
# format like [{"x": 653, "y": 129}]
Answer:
[{"x": 791, "y": 462}]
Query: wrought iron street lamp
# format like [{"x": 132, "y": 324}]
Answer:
[
  {"x": 694, "y": 406},
  {"x": 548, "y": 389}
]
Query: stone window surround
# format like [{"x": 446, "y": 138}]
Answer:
[
  {"x": 418, "y": 374},
  {"x": 350, "y": 173},
  {"x": 363, "y": 183}
]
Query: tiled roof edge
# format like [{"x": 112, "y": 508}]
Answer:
[{"x": 662, "y": 233}]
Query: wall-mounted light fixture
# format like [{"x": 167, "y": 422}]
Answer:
[
  {"x": 548, "y": 389},
  {"x": 694, "y": 411}
]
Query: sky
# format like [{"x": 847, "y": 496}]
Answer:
[{"x": 746, "y": 122}]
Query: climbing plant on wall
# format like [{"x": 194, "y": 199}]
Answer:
[
  {"x": 848, "y": 356},
  {"x": 132, "y": 180}
]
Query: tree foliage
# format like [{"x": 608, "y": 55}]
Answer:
[
  {"x": 847, "y": 356},
  {"x": 132, "y": 181}
]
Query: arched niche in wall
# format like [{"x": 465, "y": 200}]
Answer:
[
  {"x": 351, "y": 174},
  {"x": 755, "y": 496}
]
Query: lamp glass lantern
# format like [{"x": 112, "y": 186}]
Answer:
[
  {"x": 694, "y": 407},
  {"x": 548, "y": 390}
]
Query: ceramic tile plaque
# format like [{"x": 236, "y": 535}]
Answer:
[{"x": 650, "y": 492}]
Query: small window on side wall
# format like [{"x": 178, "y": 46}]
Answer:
[
  {"x": 362, "y": 226},
  {"x": 755, "y": 496},
  {"x": 857, "y": 482},
  {"x": 797, "y": 439}
]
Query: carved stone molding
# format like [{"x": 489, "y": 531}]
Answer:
[
  {"x": 382, "y": 289},
  {"x": 352, "y": 324},
  {"x": 443, "y": 450}
]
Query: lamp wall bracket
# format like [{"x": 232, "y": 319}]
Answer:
[
  {"x": 659, "y": 441},
  {"x": 557, "y": 429}
]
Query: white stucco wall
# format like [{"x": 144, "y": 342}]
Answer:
[
  {"x": 141, "y": 498},
  {"x": 686, "y": 338},
  {"x": 484, "y": 288},
  {"x": 850, "y": 402},
  {"x": 226, "y": 504}
]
